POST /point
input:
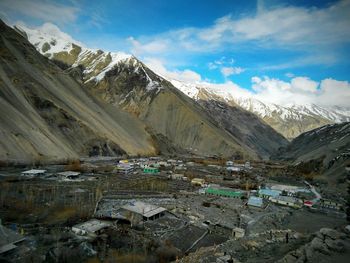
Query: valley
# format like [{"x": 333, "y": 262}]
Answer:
[{"x": 102, "y": 159}]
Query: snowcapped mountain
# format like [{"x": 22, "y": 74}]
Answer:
[
  {"x": 289, "y": 120},
  {"x": 50, "y": 41}
]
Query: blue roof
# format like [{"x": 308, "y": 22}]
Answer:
[
  {"x": 269, "y": 192},
  {"x": 255, "y": 201}
]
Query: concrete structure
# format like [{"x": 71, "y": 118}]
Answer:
[
  {"x": 92, "y": 226},
  {"x": 124, "y": 168},
  {"x": 33, "y": 172},
  {"x": 287, "y": 201},
  {"x": 268, "y": 193},
  {"x": 69, "y": 174},
  {"x": 255, "y": 201},
  {"x": 238, "y": 232},
  {"x": 9, "y": 239},
  {"x": 138, "y": 211},
  {"x": 197, "y": 182}
]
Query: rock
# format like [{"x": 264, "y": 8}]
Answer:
[
  {"x": 333, "y": 234},
  {"x": 347, "y": 229},
  {"x": 318, "y": 245},
  {"x": 335, "y": 245}
]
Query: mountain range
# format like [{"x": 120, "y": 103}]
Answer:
[
  {"x": 71, "y": 101},
  {"x": 290, "y": 121}
]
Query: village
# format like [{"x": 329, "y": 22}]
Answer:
[{"x": 155, "y": 209}]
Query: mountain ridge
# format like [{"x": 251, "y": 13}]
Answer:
[
  {"x": 100, "y": 103},
  {"x": 290, "y": 121}
]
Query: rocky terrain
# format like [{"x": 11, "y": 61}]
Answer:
[
  {"x": 326, "y": 245},
  {"x": 325, "y": 151},
  {"x": 246, "y": 126}
]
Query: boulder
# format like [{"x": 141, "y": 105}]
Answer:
[
  {"x": 318, "y": 245},
  {"x": 335, "y": 245},
  {"x": 331, "y": 233}
]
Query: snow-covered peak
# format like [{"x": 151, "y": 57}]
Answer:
[
  {"x": 48, "y": 38},
  {"x": 263, "y": 109}
]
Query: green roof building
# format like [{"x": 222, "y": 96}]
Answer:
[
  {"x": 150, "y": 170},
  {"x": 224, "y": 192}
]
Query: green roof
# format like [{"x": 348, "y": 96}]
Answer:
[
  {"x": 150, "y": 170},
  {"x": 223, "y": 192}
]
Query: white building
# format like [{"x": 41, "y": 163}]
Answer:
[
  {"x": 33, "y": 173},
  {"x": 92, "y": 226}
]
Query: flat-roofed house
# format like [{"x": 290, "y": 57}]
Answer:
[
  {"x": 255, "y": 201},
  {"x": 138, "y": 211},
  {"x": 92, "y": 226},
  {"x": 33, "y": 173}
]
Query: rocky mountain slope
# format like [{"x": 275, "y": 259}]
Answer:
[
  {"x": 174, "y": 121},
  {"x": 46, "y": 115},
  {"x": 290, "y": 121},
  {"x": 246, "y": 126},
  {"x": 325, "y": 149}
]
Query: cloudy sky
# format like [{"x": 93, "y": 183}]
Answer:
[{"x": 278, "y": 51}]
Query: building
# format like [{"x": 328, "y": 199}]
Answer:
[
  {"x": 150, "y": 170},
  {"x": 308, "y": 203},
  {"x": 124, "y": 168},
  {"x": 238, "y": 232},
  {"x": 287, "y": 201},
  {"x": 69, "y": 174},
  {"x": 255, "y": 201},
  {"x": 247, "y": 165},
  {"x": 233, "y": 169},
  {"x": 9, "y": 239},
  {"x": 329, "y": 204},
  {"x": 224, "y": 192},
  {"x": 33, "y": 173},
  {"x": 176, "y": 176},
  {"x": 269, "y": 193},
  {"x": 93, "y": 226},
  {"x": 138, "y": 211},
  {"x": 229, "y": 163},
  {"x": 197, "y": 182}
]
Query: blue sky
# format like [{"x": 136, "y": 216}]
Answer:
[{"x": 217, "y": 41}]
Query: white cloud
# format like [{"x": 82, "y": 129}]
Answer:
[
  {"x": 156, "y": 46},
  {"x": 187, "y": 75},
  {"x": 44, "y": 10},
  {"x": 302, "y": 90},
  {"x": 284, "y": 25},
  {"x": 315, "y": 32},
  {"x": 228, "y": 71}
]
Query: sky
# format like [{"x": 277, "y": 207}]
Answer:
[{"x": 279, "y": 51}]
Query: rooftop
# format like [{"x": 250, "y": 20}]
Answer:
[
  {"x": 34, "y": 171},
  {"x": 255, "y": 201},
  {"x": 144, "y": 209},
  {"x": 269, "y": 192},
  {"x": 8, "y": 238},
  {"x": 93, "y": 225},
  {"x": 69, "y": 173}
]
